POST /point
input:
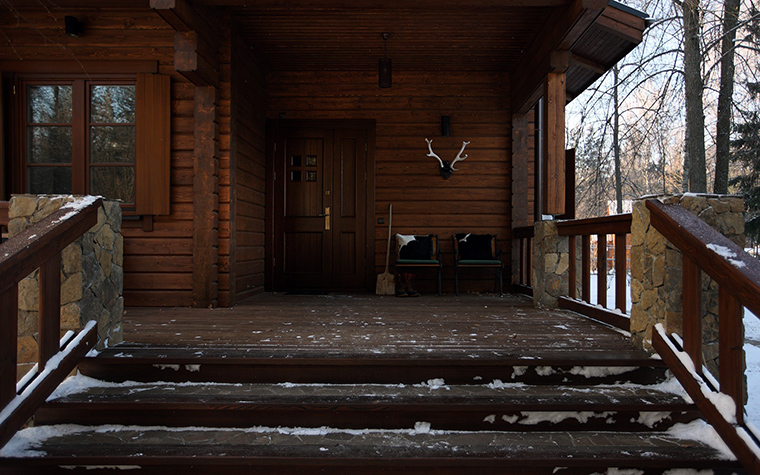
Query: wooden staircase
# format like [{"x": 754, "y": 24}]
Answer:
[{"x": 185, "y": 410}]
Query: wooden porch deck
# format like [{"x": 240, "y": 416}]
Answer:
[{"x": 366, "y": 325}]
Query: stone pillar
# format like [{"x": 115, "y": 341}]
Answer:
[
  {"x": 550, "y": 264},
  {"x": 92, "y": 275},
  {"x": 656, "y": 282}
]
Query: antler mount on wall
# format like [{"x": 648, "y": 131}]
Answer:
[{"x": 447, "y": 168}]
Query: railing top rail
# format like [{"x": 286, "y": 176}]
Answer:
[
  {"x": 522, "y": 232},
  {"x": 32, "y": 247},
  {"x": 615, "y": 224},
  {"x": 716, "y": 255}
]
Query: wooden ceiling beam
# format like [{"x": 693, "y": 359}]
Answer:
[
  {"x": 430, "y": 5},
  {"x": 564, "y": 28},
  {"x": 586, "y": 63}
]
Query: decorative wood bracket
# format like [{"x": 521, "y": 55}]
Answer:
[{"x": 196, "y": 54}]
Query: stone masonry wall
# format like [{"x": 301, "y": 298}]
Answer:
[
  {"x": 92, "y": 275},
  {"x": 550, "y": 264},
  {"x": 656, "y": 282}
]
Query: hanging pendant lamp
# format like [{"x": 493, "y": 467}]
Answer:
[{"x": 384, "y": 70}]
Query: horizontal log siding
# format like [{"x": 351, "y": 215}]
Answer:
[
  {"x": 248, "y": 143},
  {"x": 158, "y": 264},
  {"x": 475, "y": 199}
]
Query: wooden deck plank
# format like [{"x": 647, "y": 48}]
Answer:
[{"x": 366, "y": 325}]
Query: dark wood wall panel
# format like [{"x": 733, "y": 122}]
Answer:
[
  {"x": 475, "y": 199},
  {"x": 248, "y": 145}
]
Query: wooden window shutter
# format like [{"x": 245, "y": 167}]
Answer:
[{"x": 153, "y": 142}]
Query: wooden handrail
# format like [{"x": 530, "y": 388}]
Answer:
[
  {"x": 709, "y": 248},
  {"x": 39, "y": 246},
  {"x": 615, "y": 224},
  {"x": 737, "y": 274}
]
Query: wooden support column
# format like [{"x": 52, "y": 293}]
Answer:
[
  {"x": 205, "y": 200},
  {"x": 520, "y": 190},
  {"x": 553, "y": 198}
]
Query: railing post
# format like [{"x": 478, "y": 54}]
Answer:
[
  {"x": 8, "y": 344},
  {"x": 601, "y": 269},
  {"x": 731, "y": 350},
  {"x": 621, "y": 271},
  {"x": 529, "y": 260},
  {"x": 692, "y": 313},
  {"x": 571, "y": 272},
  {"x": 49, "y": 309},
  {"x": 586, "y": 268}
]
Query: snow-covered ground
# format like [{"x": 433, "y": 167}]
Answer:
[{"x": 751, "y": 346}]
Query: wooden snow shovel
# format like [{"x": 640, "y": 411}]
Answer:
[{"x": 386, "y": 284}]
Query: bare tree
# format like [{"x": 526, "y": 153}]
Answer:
[{"x": 725, "y": 95}]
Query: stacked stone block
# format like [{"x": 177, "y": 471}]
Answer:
[
  {"x": 92, "y": 275},
  {"x": 550, "y": 264}
]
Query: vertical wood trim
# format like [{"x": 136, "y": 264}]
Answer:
[
  {"x": 731, "y": 349},
  {"x": 569, "y": 184},
  {"x": 586, "y": 268},
  {"x": 205, "y": 200},
  {"x": 8, "y": 344},
  {"x": 519, "y": 195},
  {"x": 554, "y": 144},
  {"x": 692, "y": 315},
  {"x": 3, "y": 158},
  {"x": 49, "y": 309},
  {"x": 571, "y": 270},
  {"x": 621, "y": 267},
  {"x": 601, "y": 269},
  {"x": 538, "y": 160},
  {"x": 153, "y": 144}
]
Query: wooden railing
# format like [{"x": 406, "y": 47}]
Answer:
[
  {"x": 39, "y": 247},
  {"x": 524, "y": 238},
  {"x": 617, "y": 225},
  {"x": 738, "y": 276}
]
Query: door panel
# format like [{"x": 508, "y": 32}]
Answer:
[{"x": 320, "y": 209}]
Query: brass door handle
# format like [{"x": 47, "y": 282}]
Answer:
[{"x": 326, "y": 215}]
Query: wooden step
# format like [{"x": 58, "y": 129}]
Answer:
[
  {"x": 493, "y": 406},
  {"x": 75, "y": 449},
  {"x": 255, "y": 365}
]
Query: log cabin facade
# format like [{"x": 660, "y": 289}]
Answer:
[{"x": 264, "y": 149}]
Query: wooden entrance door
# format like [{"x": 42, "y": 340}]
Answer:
[{"x": 320, "y": 208}]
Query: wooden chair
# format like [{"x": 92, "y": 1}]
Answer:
[
  {"x": 473, "y": 251},
  {"x": 419, "y": 252}
]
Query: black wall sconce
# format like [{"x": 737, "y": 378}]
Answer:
[
  {"x": 384, "y": 70},
  {"x": 445, "y": 126},
  {"x": 74, "y": 27}
]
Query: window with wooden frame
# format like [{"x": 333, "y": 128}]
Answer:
[{"x": 107, "y": 136}]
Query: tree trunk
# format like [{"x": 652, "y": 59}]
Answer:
[
  {"x": 616, "y": 142},
  {"x": 695, "y": 117},
  {"x": 725, "y": 95}
]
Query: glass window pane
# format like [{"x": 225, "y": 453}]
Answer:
[
  {"x": 112, "y": 144},
  {"x": 112, "y": 104},
  {"x": 48, "y": 180},
  {"x": 113, "y": 182},
  {"x": 49, "y": 104},
  {"x": 48, "y": 144}
]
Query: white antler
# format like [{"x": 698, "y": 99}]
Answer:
[
  {"x": 432, "y": 154},
  {"x": 459, "y": 155}
]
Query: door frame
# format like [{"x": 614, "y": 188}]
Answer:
[{"x": 272, "y": 125}]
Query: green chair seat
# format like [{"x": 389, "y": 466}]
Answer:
[
  {"x": 417, "y": 262},
  {"x": 474, "y": 262}
]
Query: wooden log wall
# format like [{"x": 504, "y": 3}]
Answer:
[
  {"x": 475, "y": 199},
  {"x": 246, "y": 277},
  {"x": 158, "y": 259}
]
